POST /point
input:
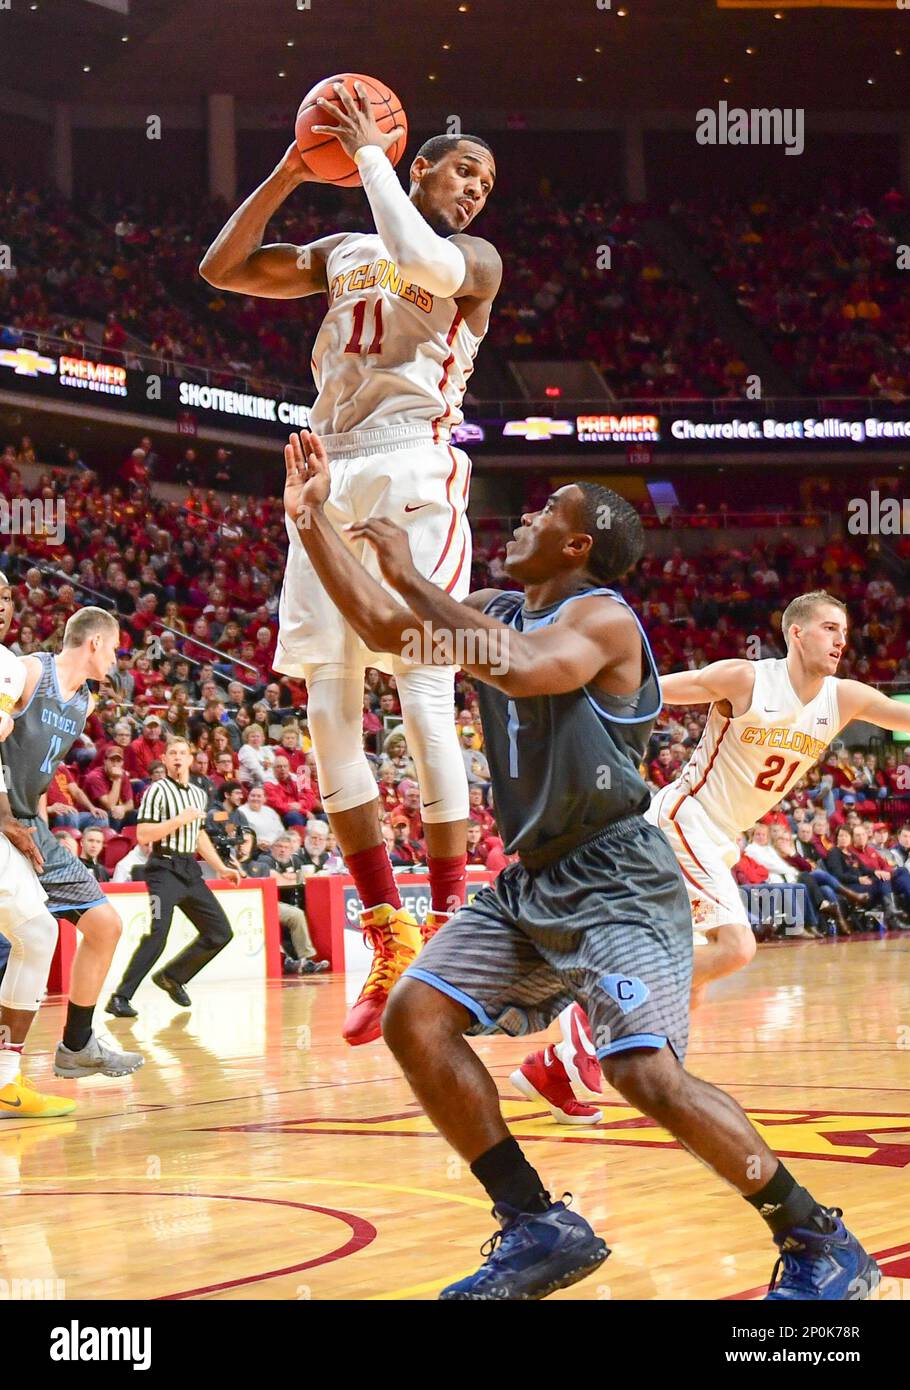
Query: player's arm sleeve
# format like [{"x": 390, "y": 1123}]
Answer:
[
  {"x": 12, "y": 680},
  {"x": 434, "y": 262}
]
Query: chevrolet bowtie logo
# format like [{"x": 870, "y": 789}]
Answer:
[
  {"x": 26, "y": 362},
  {"x": 536, "y": 427}
]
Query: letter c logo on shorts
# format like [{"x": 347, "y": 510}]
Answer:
[{"x": 628, "y": 991}]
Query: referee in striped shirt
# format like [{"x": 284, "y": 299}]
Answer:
[{"x": 170, "y": 816}]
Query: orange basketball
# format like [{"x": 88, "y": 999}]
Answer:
[{"x": 322, "y": 153}]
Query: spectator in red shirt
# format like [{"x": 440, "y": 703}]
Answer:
[
  {"x": 263, "y": 652},
  {"x": 224, "y": 771},
  {"x": 134, "y": 470},
  {"x": 478, "y": 812},
  {"x": 388, "y": 705},
  {"x": 404, "y": 850},
  {"x": 388, "y": 786},
  {"x": 290, "y": 745},
  {"x": 663, "y": 769},
  {"x": 476, "y": 849},
  {"x": 147, "y": 748},
  {"x": 109, "y": 787},
  {"x": 485, "y": 850},
  {"x": 409, "y": 807},
  {"x": 821, "y": 836},
  {"x": 286, "y": 796},
  {"x": 372, "y": 724},
  {"x": 746, "y": 870},
  {"x": 64, "y": 796},
  {"x": 881, "y": 870},
  {"x": 121, "y": 736}
]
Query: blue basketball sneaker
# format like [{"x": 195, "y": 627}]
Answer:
[
  {"x": 533, "y": 1255},
  {"x": 823, "y": 1265}
]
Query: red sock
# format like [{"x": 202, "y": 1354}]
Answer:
[
  {"x": 371, "y": 870},
  {"x": 448, "y": 882}
]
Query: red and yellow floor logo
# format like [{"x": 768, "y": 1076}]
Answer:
[{"x": 839, "y": 1136}]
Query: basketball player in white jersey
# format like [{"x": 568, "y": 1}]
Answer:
[
  {"x": 408, "y": 306},
  {"x": 768, "y": 723},
  {"x": 24, "y": 918}
]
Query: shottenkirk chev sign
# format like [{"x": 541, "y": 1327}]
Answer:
[{"x": 706, "y": 427}]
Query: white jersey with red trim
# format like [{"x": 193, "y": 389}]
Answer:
[
  {"x": 388, "y": 352},
  {"x": 743, "y": 765},
  {"x": 12, "y": 679}
]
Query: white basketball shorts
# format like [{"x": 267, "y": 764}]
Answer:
[
  {"x": 397, "y": 473},
  {"x": 21, "y": 895},
  {"x": 705, "y": 854}
]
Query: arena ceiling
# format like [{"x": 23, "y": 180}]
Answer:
[{"x": 460, "y": 56}]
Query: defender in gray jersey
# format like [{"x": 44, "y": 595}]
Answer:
[
  {"x": 595, "y": 910},
  {"x": 48, "y": 718}
]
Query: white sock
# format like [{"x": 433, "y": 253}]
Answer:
[{"x": 10, "y": 1062}]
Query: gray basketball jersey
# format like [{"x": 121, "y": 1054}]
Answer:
[
  {"x": 563, "y": 767},
  {"x": 43, "y": 734}
]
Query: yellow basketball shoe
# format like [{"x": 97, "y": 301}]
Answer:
[
  {"x": 395, "y": 938},
  {"x": 20, "y": 1101},
  {"x": 434, "y": 921}
]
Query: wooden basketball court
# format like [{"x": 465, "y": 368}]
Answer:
[{"x": 255, "y": 1156}]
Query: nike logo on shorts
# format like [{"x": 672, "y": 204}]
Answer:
[{"x": 409, "y": 508}]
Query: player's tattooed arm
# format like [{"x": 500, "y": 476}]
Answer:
[
  {"x": 858, "y": 701},
  {"x": 731, "y": 680},
  {"x": 483, "y": 268}
]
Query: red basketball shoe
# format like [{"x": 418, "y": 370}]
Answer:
[
  {"x": 576, "y": 1052},
  {"x": 542, "y": 1076}
]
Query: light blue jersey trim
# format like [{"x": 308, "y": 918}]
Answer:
[
  {"x": 445, "y": 988},
  {"x": 72, "y": 698},
  {"x": 73, "y": 907},
  {"x": 632, "y": 1040},
  {"x": 34, "y": 692},
  {"x": 636, "y": 718},
  {"x": 530, "y": 625},
  {"x": 57, "y": 694}
]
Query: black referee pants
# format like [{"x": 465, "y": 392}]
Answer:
[{"x": 177, "y": 881}]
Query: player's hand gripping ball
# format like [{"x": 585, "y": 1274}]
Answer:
[{"x": 339, "y": 115}]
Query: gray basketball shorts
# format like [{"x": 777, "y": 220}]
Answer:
[
  {"x": 608, "y": 926},
  {"x": 70, "y": 888}
]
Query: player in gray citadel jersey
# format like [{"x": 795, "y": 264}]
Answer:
[
  {"x": 594, "y": 911},
  {"x": 48, "y": 717}
]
